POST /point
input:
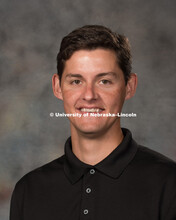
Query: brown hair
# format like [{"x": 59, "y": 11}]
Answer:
[{"x": 91, "y": 37}]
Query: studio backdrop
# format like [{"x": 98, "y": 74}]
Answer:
[{"x": 30, "y": 35}]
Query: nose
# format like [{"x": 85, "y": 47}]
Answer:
[{"x": 89, "y": 93}]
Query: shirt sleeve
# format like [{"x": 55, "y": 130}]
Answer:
[
  {"x": 171, "y": 214},
  {"x": 16, "y": 205},
  {"x": 169, "y": 203}
]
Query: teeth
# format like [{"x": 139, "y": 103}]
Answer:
[{"x": 90, "y": 110}]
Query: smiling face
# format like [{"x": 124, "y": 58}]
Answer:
[{"x": 93, "y": 82}]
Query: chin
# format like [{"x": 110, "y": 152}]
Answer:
[
  {"x": 91, "y": 134},
  {"x": 92, "y": 127},
  {"x": 90, "y": 131}
]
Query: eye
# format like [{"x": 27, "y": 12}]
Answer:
[
  {"x": 76, "y": 82},
  {"x": 105, "y": 82}
]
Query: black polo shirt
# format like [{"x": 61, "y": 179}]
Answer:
[{"x": 132, "y": 183}]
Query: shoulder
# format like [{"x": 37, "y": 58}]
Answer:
[
  {"x": 36, "y": 182},
  {"x": 43, "y": 173},
  {"x": 148, "y": 155},
  {"x": 157, "y": 174},
  {"x": 154, "y": 163}
]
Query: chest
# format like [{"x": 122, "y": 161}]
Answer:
[{"x": 94, "y": 196}]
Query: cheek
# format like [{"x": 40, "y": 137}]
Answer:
[
  {"x": 116, "y": 98},
  {"x": 69, "y": 97}
]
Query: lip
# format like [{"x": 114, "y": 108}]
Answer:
[{"x": 90, "y": 107}]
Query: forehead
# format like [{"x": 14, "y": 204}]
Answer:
[{"x": 92, "y": 60}]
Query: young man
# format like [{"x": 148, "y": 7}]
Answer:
[{"x": 104, "y": 174}]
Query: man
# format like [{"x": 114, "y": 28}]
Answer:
[{"x": 104, "y": 174}]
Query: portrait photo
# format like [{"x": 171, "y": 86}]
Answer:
[{"x": 88, "y": 108}]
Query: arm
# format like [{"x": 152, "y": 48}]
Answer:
[
  {"x": 168, "y": 207},
  {"x": 16, "y": 205}
]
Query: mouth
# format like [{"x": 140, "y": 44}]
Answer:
[{"x": 91, "y": 110}]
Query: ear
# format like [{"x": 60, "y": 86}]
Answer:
[
  {"x": 56, "y": 86},
  {"x": 131, "y": 86}
]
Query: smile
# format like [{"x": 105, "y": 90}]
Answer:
[{"x": 91, "y": 110}]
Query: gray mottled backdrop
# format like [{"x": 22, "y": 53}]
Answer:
[{"x": 30, "y": 34}]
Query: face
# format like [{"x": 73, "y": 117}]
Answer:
[{"x": 92, "y": 82}]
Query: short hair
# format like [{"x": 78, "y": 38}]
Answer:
[{"x": 91, "y": 37}]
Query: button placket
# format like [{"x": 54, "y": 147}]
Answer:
[
  {"x": 88, "y": 190},
  {"x": 86, "y": 211},
  {"x": 87, "y": 202},
  {"x": 92, "y": 171}
]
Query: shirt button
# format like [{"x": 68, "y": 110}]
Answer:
[
  {"x": 92, "y": 171},
  {"x": 88, "y": 190},
  {"x": 86, "y": 211}
]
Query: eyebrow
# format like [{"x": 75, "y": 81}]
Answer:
[
  {"x": 106, "y": 74},
  {"x": 97, "y": 76},
  {"x": 73, "y": 75}
]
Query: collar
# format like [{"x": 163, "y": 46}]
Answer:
[{"x": 113, "y": 165}]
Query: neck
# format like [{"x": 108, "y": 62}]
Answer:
[{"x": 92, "y": 150}]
